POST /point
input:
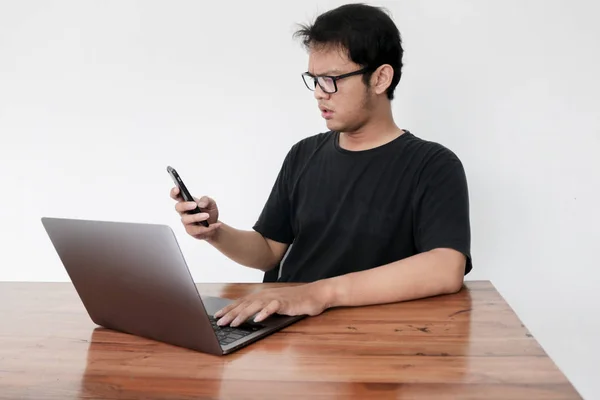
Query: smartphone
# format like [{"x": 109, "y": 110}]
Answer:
[{"x": 184, "y": 192}]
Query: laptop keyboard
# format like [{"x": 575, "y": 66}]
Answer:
[{"x": 228, "y": 334}]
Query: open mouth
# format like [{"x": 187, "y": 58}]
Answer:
[{"x": 326, "y": 112}]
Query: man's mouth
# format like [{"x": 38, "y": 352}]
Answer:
[{"x": 326, "y": 112}]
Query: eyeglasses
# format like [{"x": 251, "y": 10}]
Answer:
[{"x": 327, "y": 83}]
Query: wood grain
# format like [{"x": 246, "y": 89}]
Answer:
[{"x": 468, "y": 345}]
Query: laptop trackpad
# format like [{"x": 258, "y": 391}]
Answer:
[{"x": 214, "y": 304}]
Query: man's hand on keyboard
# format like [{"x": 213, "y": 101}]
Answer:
[{"x": 308, "y": 299}]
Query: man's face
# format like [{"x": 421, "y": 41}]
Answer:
[{"x": 347, "y": 109}]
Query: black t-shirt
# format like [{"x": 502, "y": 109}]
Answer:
[{"x": 345, "y": 211}]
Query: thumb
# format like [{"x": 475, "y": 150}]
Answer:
[{"x": 204, "y": 202}]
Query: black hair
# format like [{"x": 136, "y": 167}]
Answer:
[{"x": 366, "y": 32}]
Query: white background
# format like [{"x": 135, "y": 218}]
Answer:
[{"x": 97, "y": 98}]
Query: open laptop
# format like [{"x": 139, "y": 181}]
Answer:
[{"x": 133, "y": 278}]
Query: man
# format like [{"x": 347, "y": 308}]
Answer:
[{"x": 374, "y": 213}]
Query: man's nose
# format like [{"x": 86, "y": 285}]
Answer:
[{"x": 320, "y": 94}]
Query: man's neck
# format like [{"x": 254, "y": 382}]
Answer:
[{"x": 370, "y": 136}]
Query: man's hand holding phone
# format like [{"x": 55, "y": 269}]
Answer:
[
  {"x": 199, "y": 217},
  {"x": 192, "y": 222}
]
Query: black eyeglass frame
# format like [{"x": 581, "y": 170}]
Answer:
[{"x": 334, "y": 79}]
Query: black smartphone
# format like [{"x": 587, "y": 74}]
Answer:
[{"x": 185, "y": 194}]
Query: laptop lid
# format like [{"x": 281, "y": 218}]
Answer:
[{"x": 133, "y": 278}]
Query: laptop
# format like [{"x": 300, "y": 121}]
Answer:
[{"x": 132, "y": 278}]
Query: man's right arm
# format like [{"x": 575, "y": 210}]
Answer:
[
  {"x": 263, "y": 247},
  {"x": 248, "y": 248}
]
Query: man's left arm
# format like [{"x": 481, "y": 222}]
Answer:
[
  {"x": 435, "y": 272},
  {"x": 432, "y": 273}
]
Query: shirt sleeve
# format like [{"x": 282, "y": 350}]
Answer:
[
  {"x": 442, "y": 206},
  {"x": 274, "y": 221}
]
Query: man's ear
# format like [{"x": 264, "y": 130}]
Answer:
[{"x": 382, "y": 78}]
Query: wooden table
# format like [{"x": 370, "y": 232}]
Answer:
[{"x": 469, "y": 345}]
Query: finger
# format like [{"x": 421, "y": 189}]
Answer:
[
  {"x": 247, "y": 312},
  {"x": 271, "y": 308},
  {"x": 190, "y": 219},
  {"x": 175, "y": 193},
  {"x": 185, "y": 206},
  {"x": 232, "y": 311},
  {"x": 228, "y": 308}
]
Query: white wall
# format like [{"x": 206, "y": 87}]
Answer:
[{"x": 96, "y": 98}]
